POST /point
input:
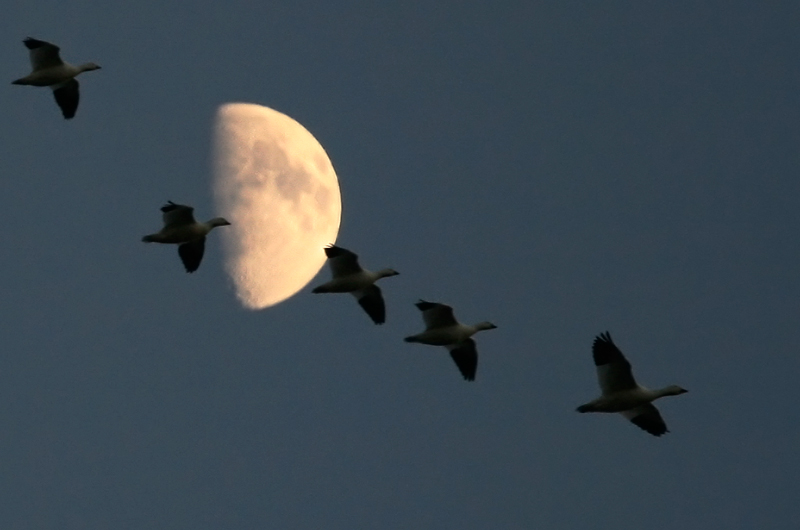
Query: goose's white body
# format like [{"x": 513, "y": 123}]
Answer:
[
  {"x": 620, "y": 391},
  {"x": 350, "y": 277},
  {"x": 442, "y": 329},
  {"x": 352, "y": 282},
  {"x": 49, "y": 70},
  {"x": 445, "y": 336},
  {"x": 627, "y": 399},
  {"x": 181, "y": 233},
  {"x": 53, "y": 75}
]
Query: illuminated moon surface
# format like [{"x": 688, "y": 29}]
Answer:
[{"x": 276, "y": 185}]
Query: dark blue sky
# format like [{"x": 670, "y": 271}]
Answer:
[{"x": 559, "y": 169}]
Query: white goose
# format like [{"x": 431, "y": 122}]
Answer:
[
  {"x": 349, "y": 277},
  {"x": 180, "y": 228},
  {"x": 621, "y": 393},
  {"x": 442, "y": 329},
  {"x": 50, "y": 70}
]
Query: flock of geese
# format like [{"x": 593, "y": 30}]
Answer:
[{"x": 619, "y": 390}]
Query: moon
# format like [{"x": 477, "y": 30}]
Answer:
[{"x": 276, "y": 185}]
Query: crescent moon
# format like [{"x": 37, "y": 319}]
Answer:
[{"x": 276, "y": 185}]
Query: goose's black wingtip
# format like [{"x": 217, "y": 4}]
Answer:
[
  {"x": 332, "y": 251},
  {"x": 32, "y": 43},
  {"x": 423, "y": 305},
  {"x": 604, "y": 337}
]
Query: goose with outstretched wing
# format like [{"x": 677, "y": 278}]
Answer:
[
  {"x": 49, "y": 70},
  {"x": 180, "y": 228},
  {"x": 350, "y": 277},
  {"x": 442, "y": 329},
  {"x": 621, "y": 393}
]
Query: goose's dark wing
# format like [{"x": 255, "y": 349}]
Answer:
[
  {"x": 191, "y": 253},
  {"x": 648, "y": 418},
  {"x": 371, "y": 300},
  {"x": 67, "y": 96},
  {"x": 465, "y": 355},
  {"x": 613, "y": 370},
  {"x": 342, "y": 261},
  {"x": 43, "y": 54},
  {"x": 436, "y": 315},
  {"x": 177, "y": 214}
]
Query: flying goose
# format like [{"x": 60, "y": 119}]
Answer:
[
  {"x": 349, "y": 277},
  {"x": 621, "y": 393},
  {"x": 180, "y": 228},
  {"x": 50, "y": 70},
  {"x": 442, "y": 329}
]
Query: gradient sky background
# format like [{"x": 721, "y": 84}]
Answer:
[{"x": 560, "y": 169}]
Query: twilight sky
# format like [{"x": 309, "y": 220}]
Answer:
[{"x": 560, "y": 169}]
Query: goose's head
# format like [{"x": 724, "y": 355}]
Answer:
[
  {"x": 218, "y": 221},
  {"x": 88, "y": 67},
  {"x": 485, "y": 325},
  {"x": 674, "y": 390},
  {"x": 385, "y": 273}
]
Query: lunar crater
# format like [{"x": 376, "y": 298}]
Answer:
[{"x": 275, "y": 183}]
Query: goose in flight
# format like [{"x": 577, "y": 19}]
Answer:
[
  {"x": 621, "y": 393},
  {"x": 442, "y": 329},
  {"x": 180, "y": 228},
  {"x": 349, "y": 277},
  {"x": 50, "y": 70}
]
